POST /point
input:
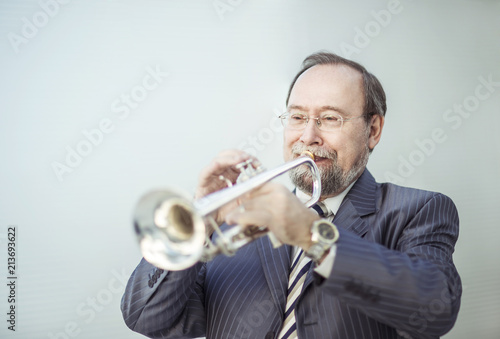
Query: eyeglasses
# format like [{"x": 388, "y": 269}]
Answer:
[{"x": 326, "y": 122}]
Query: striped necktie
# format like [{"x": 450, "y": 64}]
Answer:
[
  {"x": 298, "y": 272},
  {"x": 322, "y": 209}
]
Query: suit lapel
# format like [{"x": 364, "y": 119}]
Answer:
[
  {"x": 276, "y": 266},
  {"x": 359, "y": 202}
]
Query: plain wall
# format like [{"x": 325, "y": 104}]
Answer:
[{"x": 222, "y": 70}]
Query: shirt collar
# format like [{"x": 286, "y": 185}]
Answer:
[{"x": 332, "y": 203}]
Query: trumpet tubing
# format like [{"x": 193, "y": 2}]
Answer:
[{"x": 171, "y": 228}]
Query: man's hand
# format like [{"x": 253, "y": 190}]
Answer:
[
  {"x": 274, "y": 206},
  {"x": 222, "y": 165}
]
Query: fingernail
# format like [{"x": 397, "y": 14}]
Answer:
[{"x": 229, "y": 219}]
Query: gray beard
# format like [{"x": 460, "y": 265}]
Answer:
[{"x": 333, "y": 179}]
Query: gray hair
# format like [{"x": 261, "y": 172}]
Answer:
[{"x": 375, "y": 100}]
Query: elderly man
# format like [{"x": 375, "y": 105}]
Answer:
[{"x": 375, "y": 261}]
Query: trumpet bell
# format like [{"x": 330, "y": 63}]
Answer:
[{"x": 171, "y": 233}]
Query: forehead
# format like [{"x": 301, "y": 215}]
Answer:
[{"x": 329, "y": 85}]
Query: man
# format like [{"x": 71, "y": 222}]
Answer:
[{"x": 382, "y": 269}]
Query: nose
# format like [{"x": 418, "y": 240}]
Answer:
[{"x": 311, "y": 135}]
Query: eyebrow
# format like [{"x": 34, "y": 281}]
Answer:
[{"x": 322, "y": 109}]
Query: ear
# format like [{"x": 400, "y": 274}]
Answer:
[{"x": 376, "y": 126}]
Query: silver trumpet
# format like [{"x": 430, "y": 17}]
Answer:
[{"x": 171, "y": 228}]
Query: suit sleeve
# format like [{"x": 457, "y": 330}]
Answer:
[
  {"x": 413, "y": 286},
  {"x": 162, "y": 304}
]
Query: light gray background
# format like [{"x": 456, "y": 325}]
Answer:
[{"x": 228, "y": 76}]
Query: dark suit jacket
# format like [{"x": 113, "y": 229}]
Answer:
[{"x": 393, "y": 277}]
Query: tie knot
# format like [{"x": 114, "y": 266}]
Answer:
[{"x": 322, "y": 210}]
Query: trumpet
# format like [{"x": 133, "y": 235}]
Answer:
[{"x": 171, "y": 228}]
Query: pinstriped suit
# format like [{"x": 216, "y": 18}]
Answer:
[{"x": 393, "y": 277}]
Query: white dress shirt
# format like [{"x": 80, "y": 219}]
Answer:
[{"x": 333, "y": 204}]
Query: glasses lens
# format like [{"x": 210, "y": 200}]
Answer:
[
  {"x": 330, "y": 122},
  {"x": 298, "y": 121},
  {"x": 293, "y": 120}
]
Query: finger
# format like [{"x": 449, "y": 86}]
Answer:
[
  {"x": 224, "y": 161},
  {"x": 268, "y": 194},
  {"x": 248, "y": 218},
  {"x": 225, "y": 164},
  {"x": 218, "y": 167},
  {"x": 240, "y": 155}
]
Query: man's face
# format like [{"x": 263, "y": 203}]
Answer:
[{"x": 342, "y": 154}]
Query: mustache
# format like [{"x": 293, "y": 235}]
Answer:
[{"x": 316, "y": 150}]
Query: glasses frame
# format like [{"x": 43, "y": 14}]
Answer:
[{"x": 285, "y": 115}]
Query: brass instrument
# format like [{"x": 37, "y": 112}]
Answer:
[{"x": 171, "y": 228}]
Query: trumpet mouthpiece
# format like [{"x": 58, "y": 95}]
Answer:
[{"x": 309, "y": 154}]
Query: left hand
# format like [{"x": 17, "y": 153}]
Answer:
[{"x": 274, "y": 206}]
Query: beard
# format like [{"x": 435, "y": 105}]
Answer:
[{"x": 334, "y": 179}]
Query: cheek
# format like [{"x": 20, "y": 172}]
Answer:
[
  {"x": 289, "y": 138},
  {"x": 347, "y": 148},
  {"x": 351, "y": 153}
]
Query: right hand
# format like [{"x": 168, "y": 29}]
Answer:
[{"x": 208, "y": 182}]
